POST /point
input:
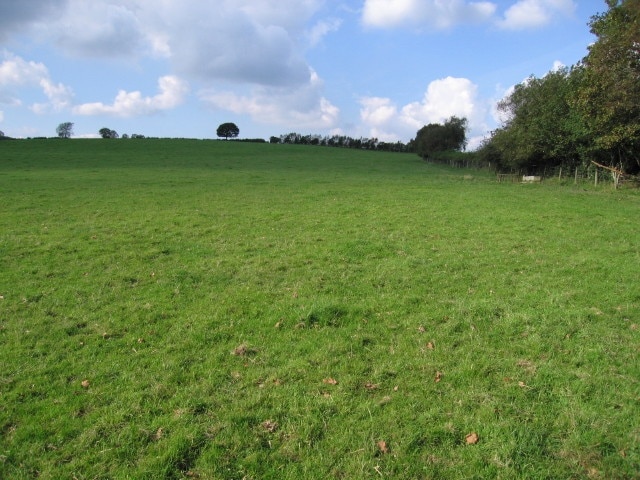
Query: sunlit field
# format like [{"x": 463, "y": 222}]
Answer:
[{"x": 210, "y": 309}]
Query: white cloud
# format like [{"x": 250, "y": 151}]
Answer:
[
  {"x": 296, "y": 109},
  {"x": 246, "y": 42},
  {"x": 97, "y": 29},
  {"x": 321, "y": 29},
  {"x": 16, "y": 73},
  {"x": 528, "y": 14},
  {"x": 444, "y": 98},
  {"x": 425, "y": 14},
  {"x": 60, "y": 97},
  {"x": 240, "y": 41},
  {"x": 130, "y": 104}
]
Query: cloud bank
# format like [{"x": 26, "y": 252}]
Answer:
[
  {"x": 439, "y": 15},
  {"x": 130, "y": 104},
  {"x": 427, "y": 14}
]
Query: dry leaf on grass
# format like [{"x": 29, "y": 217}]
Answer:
[
  {"x": 438, "y": 377},
  {"x": 472, "y": 438},
  {"x": 85, "y": 384},
  {"x": 330, "y": 381},
  {"x": 270, "y": 426},
  {"x": 431, "y": 346},
  {"x": 383, "y": 447},
  {"x": 244, "y": 350},
  {"x": 371, "y": 386}
]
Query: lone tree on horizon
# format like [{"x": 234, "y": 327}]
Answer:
[
  {"x": 65, "y": 130},
  {"x": 228, "y": 130}
]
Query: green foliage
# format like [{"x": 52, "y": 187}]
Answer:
[
  {"x": 542, "y": 130},
  {"x": 435, "y": 138},
  {"x": 588, "y": 112},
  {"x": 228, "y": 130},
  {"x": 609, "y": 96},
  {"x": 342, "y": 141},
  {"x": 65, "y": 130},
  {"x": 108, "y": 133},
  {"x": 241, "y": 310}
]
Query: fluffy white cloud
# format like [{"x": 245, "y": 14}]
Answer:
[
  {"x": 424, "y": 14},
  {"x": 444, "y": 98},
  {"x": 16, "y": 73},
  {"x": 296, "y": 109},
  {"x": 129, "y": 104},
  {"x": 526, "y": 14}
]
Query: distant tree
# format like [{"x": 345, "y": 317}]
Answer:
[
  {"x": 274, "y": 139},
  {"x": 108, "y": 133},
  {"x": 65, "y": 130},
  {"x": 228, "y": 130},
  {"x": 136, "y": 135},
  {"x": 124, "y": 135},
  {"x": 1, "y": 133},
  {"x": 435, "y": 137}
]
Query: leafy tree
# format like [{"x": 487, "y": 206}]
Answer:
[
  {"x": 435, "y": 138},
  {"x": 108, "y": 133},
  {"x": 541, "y": 129},
  {"x": 228, "y": 130},
  {"x": 65, "y": 130},
  {"x": 1, "y": 133},
  {"x": 609, "y": 97}
]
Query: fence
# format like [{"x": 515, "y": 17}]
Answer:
[{"x": 593, "y": 174}]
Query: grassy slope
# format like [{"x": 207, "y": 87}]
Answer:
[{"x": 211, "y": 292}]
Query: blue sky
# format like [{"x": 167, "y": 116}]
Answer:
[{"x": 363, "y": 68}]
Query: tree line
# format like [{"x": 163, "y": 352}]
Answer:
[
  {"x": 342, "y": 141},
  {"x": 578, "y": 115}
]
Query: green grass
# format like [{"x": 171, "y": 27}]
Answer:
[{"x": 274, "y": 311}]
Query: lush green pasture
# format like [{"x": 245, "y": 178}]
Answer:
[{"x": 203, "y": 309}]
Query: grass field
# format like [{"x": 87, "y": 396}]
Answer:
[{"x": 207, "y": 309}]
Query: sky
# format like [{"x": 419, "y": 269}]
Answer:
[{"x": 362, "y": 68}]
